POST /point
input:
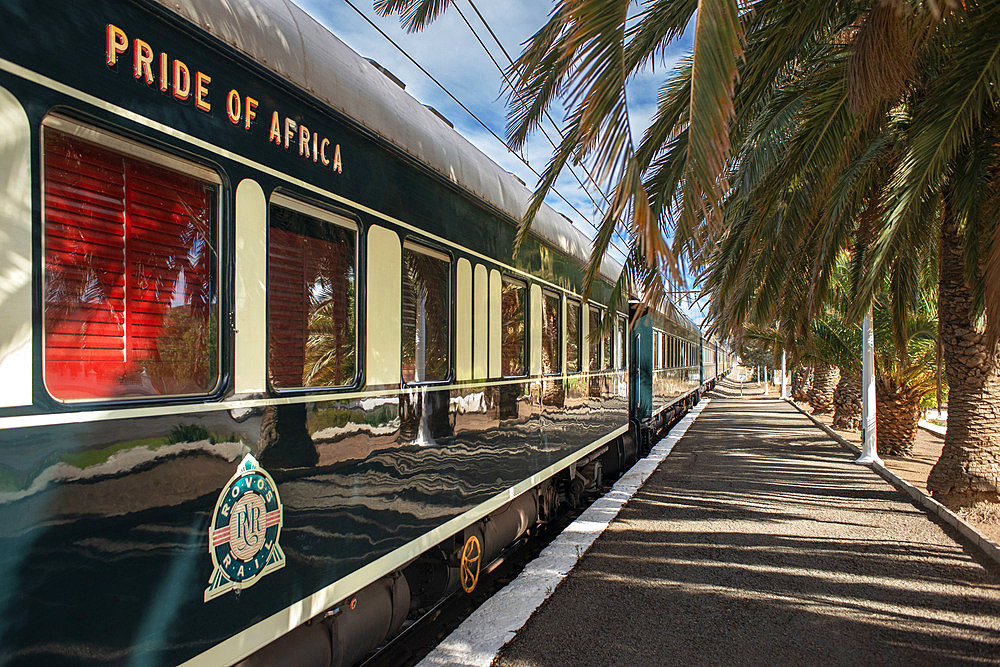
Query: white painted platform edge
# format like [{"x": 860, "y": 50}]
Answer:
[
  {"x": 986, "y": 546},
  {"x": 478, "y": 640},
  {"x": 933, "y": 428}
]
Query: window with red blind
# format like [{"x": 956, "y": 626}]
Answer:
[
  {"x": 310, "y": 296},
  {"x": 129, "y": 284}
]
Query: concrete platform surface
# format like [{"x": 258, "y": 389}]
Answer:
[{"x": 759, "y": 541}]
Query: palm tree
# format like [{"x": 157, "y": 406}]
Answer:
[
  {"x": 903, "y": 375},
  {"x": 838, "y": 341},
  {"x": 902, "y": 380},
  {"x": 796, "y": 131},
  {"x": 801, "y": 382}
]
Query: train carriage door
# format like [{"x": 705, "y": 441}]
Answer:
[
  {"x": 463, "y": 320},
  {"x": 383, "y": 312},
  {"x": 480, "y": 323},
  {"x": 535, "y": 331},
  {"x": 701, "y": 361},
  {"x": 495, "y": 324},
  {"x": 250, "y": 358},
  {"x": 15, "y": 259},
  {"x": 640, "y": 368}
]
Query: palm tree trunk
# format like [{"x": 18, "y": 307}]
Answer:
[
  {"x": 509, "y": 393},
  {"x": 285, "y": 441},
  {"x": 801, "y": 382},
  {"x": 847, "y": 403},
  {"x": 897, "y": 413},
  {"x": 554, "y": 393},
  {"x": 825, "y": 378},
  {"x": 968, "y": 471}
]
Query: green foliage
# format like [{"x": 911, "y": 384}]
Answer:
[
  {"x": 755, "y": 353},
  {"x": 806, "y": 129},
  {"x": 335, "y": 417},
  {"x": 91, "y": 457},
  {"x": 189, "y": 433}
]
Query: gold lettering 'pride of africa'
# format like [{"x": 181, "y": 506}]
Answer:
[
  {"x": 172, "y": 76},
  {"x": 243, "y": 535}
]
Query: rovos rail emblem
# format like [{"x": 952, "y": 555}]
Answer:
[{"x": 243, "y": 535}]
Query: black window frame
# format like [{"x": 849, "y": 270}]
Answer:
[
  {"x": 572, "y": 302},
  {"x": 590, "y": 339},
  {"x": 507, "y": 279},
  {"x": 560, "y": 343},
  {"x": 623, "y": 341},
  {"x": 417, "y": 244}
]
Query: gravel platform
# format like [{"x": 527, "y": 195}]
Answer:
[{"x": 758, "y": 540}]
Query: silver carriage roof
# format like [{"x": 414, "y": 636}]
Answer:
[{"x": 289, "y": 42}]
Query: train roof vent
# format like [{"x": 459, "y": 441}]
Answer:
[
  {"x": 392, "y": 77},
  {"x": 440, "y": 115},
  {"x": 517, "y": 178}
]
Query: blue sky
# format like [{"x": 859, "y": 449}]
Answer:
[{"x": 449, "y": 51}]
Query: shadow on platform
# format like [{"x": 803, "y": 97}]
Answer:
[{"x": 759, "y": 540}]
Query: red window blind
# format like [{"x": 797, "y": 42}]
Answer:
[
  {"x": 129, "y": 302},
  {"x": 310, "y": 302}
]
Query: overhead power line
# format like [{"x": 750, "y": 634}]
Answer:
[
  {"x": 466, "y": 109},
  {"x": 555, "y": 126}
]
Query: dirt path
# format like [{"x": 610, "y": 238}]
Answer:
[
  {"x": 917, "y": 466},
  {"x": 758, "y": 540}
]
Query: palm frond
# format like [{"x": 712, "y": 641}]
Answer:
[{"x": 415, "y": 15}]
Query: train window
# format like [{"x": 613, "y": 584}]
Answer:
[
  {"x": 622, "y": 343},
  {"x": 130, "y": 263},
  {"x": 608, "y": 350},
  {"x": 551, "y": 333},
  {"x": 656, "y": 349},
  {"x": 664, "y": 339},
  {"x": 512, "y": 333},
  {"x": 311, "y": 281},
  {"x": 426, "y": 297},
  {"x": 594, "y": 344},
  {"x": 572, "y": 336}
]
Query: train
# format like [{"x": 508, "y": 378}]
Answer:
[{"x": 272, "y": 381}]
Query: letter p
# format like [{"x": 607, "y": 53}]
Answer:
[{"x": 117, "y": 44}]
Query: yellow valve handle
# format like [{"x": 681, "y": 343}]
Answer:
[{"x": 469, "y": 569}]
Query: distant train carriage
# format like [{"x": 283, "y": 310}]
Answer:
[{"x": 271, "y": 379}]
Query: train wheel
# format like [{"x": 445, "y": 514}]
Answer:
[{"x": 471, "y": 555}]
